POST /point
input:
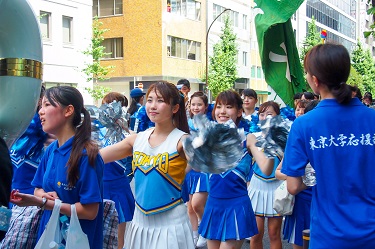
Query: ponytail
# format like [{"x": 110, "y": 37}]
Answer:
[
  {"x": 82, "y": 140},
  {"x": 342, "y": 93}
]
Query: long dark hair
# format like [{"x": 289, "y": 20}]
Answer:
[
  {"x": 330, "y": 64},
  {"x": 172, "y": 96},
  {"x": 229, "y": 97},
  {"x": 64, "y": 96}
]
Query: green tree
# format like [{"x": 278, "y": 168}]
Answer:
[
  {"x": 222, "y": 71},
  {"x": 364, "y": 64},
  {"x": 371, "y": 11},
  {"x": 312, "y": 39},
  {"x": 355, "y": 79},
  {"x": 95, "y": 71}
]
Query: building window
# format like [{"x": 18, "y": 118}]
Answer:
[
  {"x": 244, "y": 21},
  {"x": 182, "y": 48},
  {"x": 259, "y": 72},
  {"x": 45, "y": 24},
  {"x": 187, "y": 8},
  {"x": 253, "y": 69},
  {"x": 233, "y": 15},
  {"x": 113, "y": 48},
  {"x": 106, "y": 7},
  {"x": 67, "y": 23},
  {"x": 244, "y": 58}
]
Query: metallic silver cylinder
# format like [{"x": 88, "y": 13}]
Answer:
[{"x": 20, "y": 67}]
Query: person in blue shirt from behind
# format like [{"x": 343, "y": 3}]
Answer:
[
  {"x": 299, "y": 220},
  {"x": 71, "y": 168},
  {"x": 337, "y": 143}
]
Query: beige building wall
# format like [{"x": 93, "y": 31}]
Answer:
[{"x": 145, "y": 27}]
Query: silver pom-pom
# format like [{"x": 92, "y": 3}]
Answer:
[{"x": 214, "y": 148}]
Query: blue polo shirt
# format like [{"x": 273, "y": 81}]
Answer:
[
  {"x": 51, "y": 176},
  {"x": 339, "y": 142}
]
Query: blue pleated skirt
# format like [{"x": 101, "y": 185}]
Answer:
[
  {"x": 196, "y": 182},
  {"x": 228, "y": 219},
  {"x": 298, "y": 221},
  {"x": 120, "y": 192}
]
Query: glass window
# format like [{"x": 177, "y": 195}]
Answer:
[
  {"x": 118, "y": 7},
  {"x": 67, "y": 29},
  {"x": 183, "y": 7},
  {"x": 244, "y": 58},
  {"x": 169, "y": 46},
  {"x": 45, "y": 24},
  {"x": 178, "y": 47},
  {"x": 259, "y": 72},
  {"x": 190, "y": 10},
  {"x": 95, "y": 8},
  {"x": 192, "y": 51},
  {"x": 198, "y": 11},
  {"x": 244, "y": 21},
  {"x": 173, "y": 46},
  {"x": 253, "y": 69},
  {"x": 113, "y": 48},
  {"x": 107, "y": 7},
  {"x": 198, "y": 51},
  {"x": 182, "y": 48}
]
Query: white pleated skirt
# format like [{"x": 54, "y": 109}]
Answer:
[
  {"x": 261, "y": 194},
  {"x": 167, "y": 230}
]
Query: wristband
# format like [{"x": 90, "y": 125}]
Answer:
[{"x": 43, "y": 204}]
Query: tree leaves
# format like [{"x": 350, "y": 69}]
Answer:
[{"x": 222, "y": 71}]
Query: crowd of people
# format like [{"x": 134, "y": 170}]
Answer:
[{"x": 175, "y": 206}]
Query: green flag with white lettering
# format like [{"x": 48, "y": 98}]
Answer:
[{"x": 277, "y": 47}]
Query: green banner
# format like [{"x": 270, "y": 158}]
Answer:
[{"x": 277, "y": 47}]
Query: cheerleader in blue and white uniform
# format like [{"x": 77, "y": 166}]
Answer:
[
  {"x": 228, "y": 216},
  {"x": 160, "y": 218},
  {"x": 261, "y": 188},
  {"x": 197, "y": 182}
]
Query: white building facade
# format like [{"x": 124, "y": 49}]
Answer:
[{"x": 66, "y": 32}]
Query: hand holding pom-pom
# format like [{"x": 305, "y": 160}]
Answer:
[
  {"x": 111, "y": 125},
  {"x": 214, "y": 148},
  {"x": 275, "y": 133}
]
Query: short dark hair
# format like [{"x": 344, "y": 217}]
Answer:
[
  {"x": 297, "y": 96},
  {"x": 308, "y": 95},
  {"x": 249, "y": 93},
  {"x": 367, "y": 95},
  {"x": 184, "y": 82}
]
